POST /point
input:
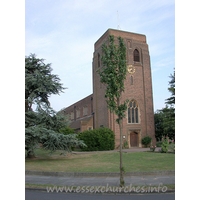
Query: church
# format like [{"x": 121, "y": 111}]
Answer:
[{"x": 92, "y": 111}]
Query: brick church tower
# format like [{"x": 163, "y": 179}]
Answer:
[
  {"x": 92, "y": 112},
  {"x": 139, "y": 121}
]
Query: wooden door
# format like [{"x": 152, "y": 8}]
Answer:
[{"x": 133, "y": 139}]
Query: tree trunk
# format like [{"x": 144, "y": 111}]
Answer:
[{"x": 121, "y": 161}]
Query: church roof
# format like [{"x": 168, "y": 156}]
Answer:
[{"x": 77, "y": 124}]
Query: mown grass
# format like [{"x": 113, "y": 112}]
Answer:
[{"x": 101, "y": 162}]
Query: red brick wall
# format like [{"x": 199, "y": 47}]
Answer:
[
  {"x": 87, "y": 101},
  {"x": 85, "y": 126}
]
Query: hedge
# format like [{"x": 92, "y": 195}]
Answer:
[{"x": 98, "y": 139}]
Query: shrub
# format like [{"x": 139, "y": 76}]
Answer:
[
  {"x": 172, "y": 146},
  {"x": 152, "y": 147},
  {"x": 146, "y": 140},
  {"x": 165, "y": 144},
  {"x": 98, "y": 139},
  {"x": 125, "y": 144}
]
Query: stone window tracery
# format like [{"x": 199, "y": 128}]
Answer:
[{"x": 133, "y": 112}]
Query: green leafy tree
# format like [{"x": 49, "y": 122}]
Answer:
[
  {"x": 169, "y": 119},
  {"x": 171, "y": 100},
  {"x": 164, "y": 123},
  {"x": 169, "y": 122},
  {"x": 159, "y": 131},
  {"x": 165, "y": 118},
  {"x": 113, "y": 74},
  {"x": 43, "y": 125}
]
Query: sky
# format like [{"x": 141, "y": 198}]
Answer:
[{"x": 63, "y": 32}]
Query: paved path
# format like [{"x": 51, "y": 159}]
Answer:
[
  {"x": 100, "y": 181},
  {"x": 134, "y": 149}
]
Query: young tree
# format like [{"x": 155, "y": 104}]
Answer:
[
  {"x": 43, "y": 125},
  {"x": 113, "y": 74}
]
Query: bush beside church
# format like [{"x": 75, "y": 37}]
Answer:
[{"x": 101, "y": 139}]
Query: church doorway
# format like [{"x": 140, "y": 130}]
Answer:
[{"x": 133, "y": 139}]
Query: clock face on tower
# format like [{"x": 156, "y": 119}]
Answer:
[{"x": 131, "y": 69}]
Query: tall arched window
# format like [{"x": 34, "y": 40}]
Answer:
[
  {"x": 136, "y": 55},
  {"x": 133, "y": 112},
  {"x": 99, "y": 60}
]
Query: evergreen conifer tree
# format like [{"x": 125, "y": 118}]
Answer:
[{"x": 43, "y": 124}]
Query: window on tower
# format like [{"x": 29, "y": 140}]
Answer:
[
  {"x": 131, "y": 80},
  {"x": 99, "y": 57},
  {"x": 136, "y": 55},
  {"x": 133, "y": 112}
]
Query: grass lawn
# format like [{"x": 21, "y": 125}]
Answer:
[{"x": 101, "y": 162}]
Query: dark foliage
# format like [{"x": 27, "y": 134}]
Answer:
[
  {"x": 98, "y": 139},
  {"x": 146, "y": 140}
]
